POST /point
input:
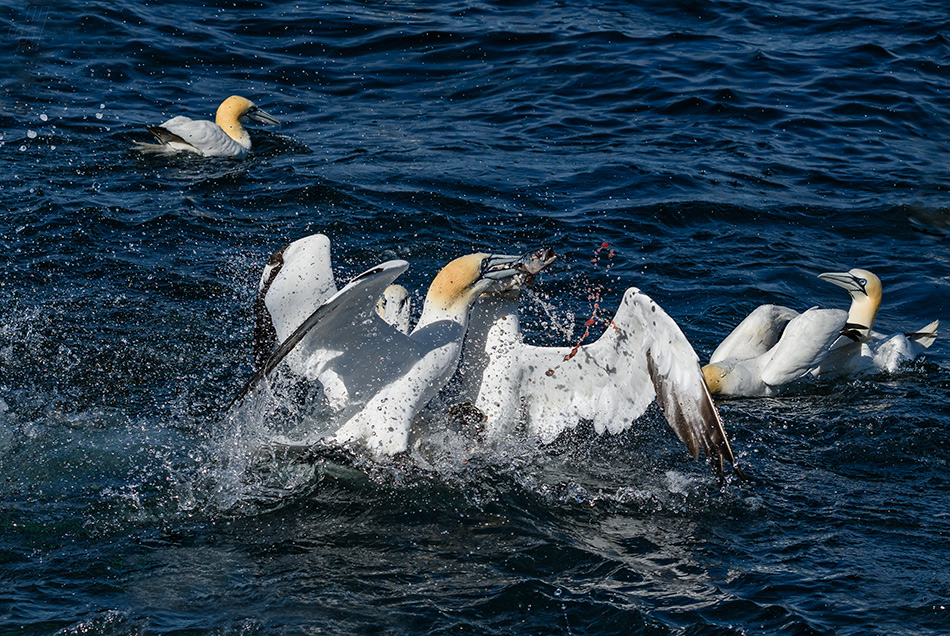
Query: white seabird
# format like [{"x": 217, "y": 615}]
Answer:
[
  {"x": 770, "y": 348},
  {"x": 643, "y": 355},
  {"x": 296, "y": 280},
  {"x": 859, "y": 349},
  {"x": 395, "y": 307},
  {"x": 224, "y": 137},
  {"x": 377, "y": 379}
]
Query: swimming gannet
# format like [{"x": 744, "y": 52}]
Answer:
[
  {"x": 296, "y": 280},
  {"x": 643, "y": 355},
  {"x": 770, "y": 348},
  {"x": 377, "y": 379},
  {"x": 859, "y": 349},
  {"x": 224, "y": 137}
]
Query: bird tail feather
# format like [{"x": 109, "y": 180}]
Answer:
[{"x": 926, "y": 336}]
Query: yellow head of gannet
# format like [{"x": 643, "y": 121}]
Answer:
[
  {"x": 236, "y": 110},
  {"x": 714, "y": 374},
  {"x": 865, "y": 290},
  {"x": 461, "y": 282}
]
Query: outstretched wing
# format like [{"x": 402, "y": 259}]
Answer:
[
  {"x": 803, "y": 346},
  {"x": 296, "y": 280},
  {"x": 344, "y": 345},
  {"x": 642, "y": 355},
  {"x": 755, "y": 335}
]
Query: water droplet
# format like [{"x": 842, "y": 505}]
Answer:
[
  {"x": 22, "y": 148},
  {"x": 98, "y": 115},
  {"x": 31, "y": 134},
  {"x": 44, "y": 117}
]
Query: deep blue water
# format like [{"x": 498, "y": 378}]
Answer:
[{"x": 727, "y": 151}]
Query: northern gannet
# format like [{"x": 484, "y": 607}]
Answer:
[
  {"x": 859, "y": 349},
  {"x": 643, "y": 355},
  {"x": 395, "y": 307},
  {"x": 771, "y": 347},
  {"x": 224, "y": 137},
  {"x": 376, "y": 378},
  {"x": 296, "y": 280}
]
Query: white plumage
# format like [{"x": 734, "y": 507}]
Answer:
[
  {"x": 375, "y": 377},
  {"x": 643, "y": 355},
  {"x": 224, "y": 137},
  {"x": 395, "y": 307},
  {"x": 296, "y": 280},
  {"x": 378, "y": 380},
  {"x": 859, "y": 349},
  {"x": 775, "y": 345},
  {"x": 770, "y": 348}
]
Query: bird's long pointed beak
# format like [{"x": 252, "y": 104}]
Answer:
[
  {"x": 844, "y": 280},
  {"x": 504, "y": 266},
  {"x": 534, "y": 262},
  {"x": 260, "y": 116}
]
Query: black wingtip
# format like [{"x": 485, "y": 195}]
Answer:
[
  {"x": 165, "y": 136},
  {"x": 709, "y": 434}
]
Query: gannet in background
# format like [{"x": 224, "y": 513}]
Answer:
[
  {"x": 297, "y": 279},
  {"x": 773, "y": 346},
  {"x": 224, "y": 137},
  {"x": 376, "y": 378},
  {"x": 860, "y": 350},
  {"x": 394, "y": 306},
  {"x": 643, "y": 355}
]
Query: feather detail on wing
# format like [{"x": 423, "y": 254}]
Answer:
[
  {"x": 197, "y": 135},
  {"x": 296, "y": 280},
  {"x": 803, "y": 345},
  {"x": 642, "y": 355},
  {"x": 332, "y": 343},
  {"x": 755, "y": 335}
]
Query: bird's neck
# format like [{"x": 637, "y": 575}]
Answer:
[
  {"x": 861, "y": 315},
  {"x": 231, "y": 125},
  {"x": 436, "y": 310}
]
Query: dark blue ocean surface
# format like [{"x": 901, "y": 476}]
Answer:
[{"x": 726, "y": 151}]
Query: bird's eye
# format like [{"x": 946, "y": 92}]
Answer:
[{"x": 862, "y": 282}]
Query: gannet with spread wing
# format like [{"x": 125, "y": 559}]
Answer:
[
  {"x": 643, "y": 355},
  {"x": 296, "y": 280},
  {"x": 223, "y": 137},
  {"x": 770, "y": 348},
  {"x": 376, "y": 378},
  {"x": 859, "y": 349}
]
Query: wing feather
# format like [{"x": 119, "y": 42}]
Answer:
[
  {"x": 296, "y": 280},
  {"x": 336, "y": 336},
  {"x": 642, "y": 355},
  {"x": 199, "y": 135},
  {"x": 755, "y": 335},
  {"x": 804, "y": 344}
]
